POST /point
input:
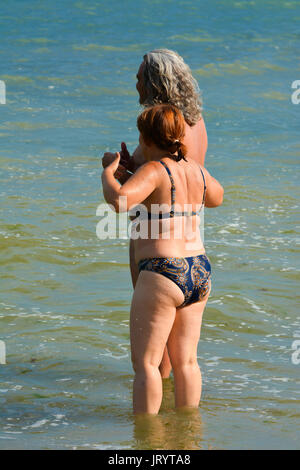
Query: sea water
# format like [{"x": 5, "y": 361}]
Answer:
[{"x": 69, "y": 73}]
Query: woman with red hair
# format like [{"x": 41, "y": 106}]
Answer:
[
  {"x": 173, "y": 283},
  {"x": 164, "y": 77}
]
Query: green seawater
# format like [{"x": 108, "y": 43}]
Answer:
[{"x": 69, "y": 69}]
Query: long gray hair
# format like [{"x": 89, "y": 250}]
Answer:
[{"x": 168, "y": 79}]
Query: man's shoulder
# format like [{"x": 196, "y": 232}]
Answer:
[{"x": 138, "y": 157}]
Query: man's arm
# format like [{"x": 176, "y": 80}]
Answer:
[
  {"x": 137, "y": 159},
  {"x": 214, "y": 191}
]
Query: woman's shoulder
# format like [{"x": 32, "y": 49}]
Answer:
[{"x": 151, "y": 167}]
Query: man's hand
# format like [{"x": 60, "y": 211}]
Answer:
[
  {"x": 125, "y": 160},
  {"x": 125, "y": 155},
  {"x": 126, "y": 163},
  {"x": 121, "y": 173}
]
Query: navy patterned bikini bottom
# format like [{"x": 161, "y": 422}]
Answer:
[{"x": 191, "y": 275}]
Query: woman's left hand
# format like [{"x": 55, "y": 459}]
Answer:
[{"x": 113, "y": 166}]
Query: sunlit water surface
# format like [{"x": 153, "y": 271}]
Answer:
[{"x": 69, "y": 69}]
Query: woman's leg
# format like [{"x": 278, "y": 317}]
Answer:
[
  {"x": 182, "y": 346},
  {"x": 152, "y": 315},
  {"x": 165, "y": 366},
  {"x": 134, "y": 270}
]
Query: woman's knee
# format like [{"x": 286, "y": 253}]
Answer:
[
  {"x": 143, "y": 364},
  {"x": 183, "y": 362}
]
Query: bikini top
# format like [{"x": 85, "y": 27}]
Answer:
[{"x": 172, "y": 212}]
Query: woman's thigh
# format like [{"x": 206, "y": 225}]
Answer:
[
  {"x": 134, "y": 270},
  {"x": 185, "y": 333},
  {"x": 152, "y": 315}
]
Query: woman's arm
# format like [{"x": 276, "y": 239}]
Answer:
[
  {"x": 135, "y": 190},
  {"x": 128, "y": 164},
  {"x": 214, "y": 191}
]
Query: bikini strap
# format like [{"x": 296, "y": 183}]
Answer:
[
  {"x": 173, "y": 190},
  {"x": 204, "y": 190}
]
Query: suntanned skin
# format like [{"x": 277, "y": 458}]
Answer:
[
  {"x": 150, "y": 185},
  {"x": 156, "y": 318},
  {"x": 195, "y": 140}
]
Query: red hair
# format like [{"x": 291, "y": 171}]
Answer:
[{"x": 164, "y": 126}]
